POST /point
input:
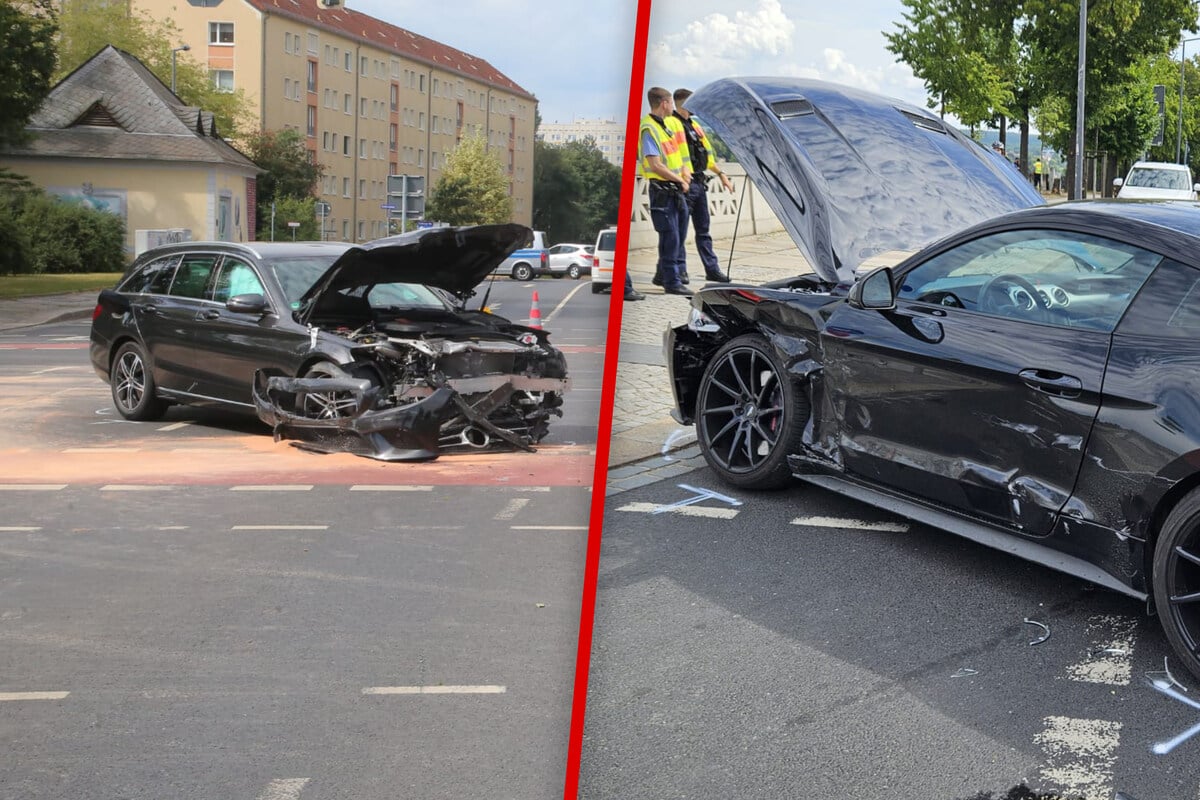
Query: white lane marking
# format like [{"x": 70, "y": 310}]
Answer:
[
  {"x": 549, "y": 527},
  {"x": 174, "y": 427},
  {"x": 1079, "y": 754},
  {"x": 54, "y": 369},
  {"x": 512, "y": 508},
  {"x": 687, "y": 511},
  {"x": 19, "y": 528},
  {"x": 6, "y": 696},
  {"x": 434, "y": 690},
  {"x": 284, "y": 789},
  {"x": 384, "y": 487},
  {"x": 31, "y": 487},
  {"x": 279, "y": 528},
  {"x": 172, "y": 528},
  {"x": 1110, "y": 655},
  {"x": 853, "y": 524},
  {"x": 282, "y": 487},
  {"x": 136, "y": 487},
  {"x": 95, "y": 450},
  {"x": 525, "y": 488},
  {"x": 550, "y": 317}
]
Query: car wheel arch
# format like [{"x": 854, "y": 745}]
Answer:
[{"x": 1162, "y": 510}]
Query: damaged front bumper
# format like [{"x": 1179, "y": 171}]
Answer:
[{"x": 420, "y": 429}]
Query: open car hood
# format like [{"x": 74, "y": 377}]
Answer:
[
  {"x": 452, "y": 259},
  {"x": 852, "y": 174}
]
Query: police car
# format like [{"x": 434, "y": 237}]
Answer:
[{"x": 528, "y": 262}]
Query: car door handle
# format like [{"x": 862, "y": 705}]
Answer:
[
  {"x": 211, "y": 313},
  {"x": 1052, "y": 382},
  {"x": 146, "y": 308}
]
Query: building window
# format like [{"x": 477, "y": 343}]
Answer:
[
  {"x": 345, "y": 145},
  {"x": 363, "y": 64},
  {"x": 346, "y": 227},
  {"x": 349, "y": 62},
  {"x": 421, "y": 121},
  {"x": 220, "y": 33},
  {"x": 312, "y": 120},
  {"x": 325, "y": 140},
  {"x": 422, "y": 83},
  {"x": 362, "y": 229},
  {"x": 395, "y": 68},
  {"x": 312, "y": 76},
  {"x": 395, "y": 97},
  {"x": 362, "y": 107},
  {"x": 348, "y": 103},
  {"x": 287, "y": 42},
  {"x": 287, "y": 88},
  {"x": 393, "y": 136},
  {"x": 345, "y": 187},
  {"x": 362, "y": 148},
  {"x": 421, "y": 157},
  {"x": 362, "y": 189},
  {"x": 312, "y": 43}
]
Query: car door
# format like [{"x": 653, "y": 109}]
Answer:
[
  {"x": 979, "y": 389},
  {"x": 231, "y": 345},
  {"x": 148, "y": 288}
]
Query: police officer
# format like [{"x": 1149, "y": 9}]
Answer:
[
  {"x": 661, "y": 163},
  {"x": 701, "y": 154}
]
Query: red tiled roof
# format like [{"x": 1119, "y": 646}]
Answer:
[{"x": 377, "y": 33}]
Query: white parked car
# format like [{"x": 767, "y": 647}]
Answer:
[
  {"x": 572, "y": 260},
  {"x": 1157, "y": 180},
  {"x": 602, "y": 260}
]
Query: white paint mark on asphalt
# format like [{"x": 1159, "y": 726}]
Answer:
[
  {"x": 853, "y": 524},
  {"x": 434, "y": 690},
  {"x": 174, "y": 427},
  {"x": 550, "y": 317},
  {"x": 512, "y": 508},
  {"x": 136, "y": 487},
  {"x": 383, "y": 487},
  {"x": 687, "y": 511},
  {"x": 549, "y": 527},
  {"x": 19, "y": 528},
  {"x": 54, "y": 369},
  {"x": 1079, "y": 755},
  {"x": 279, "y": 528},
  {"x": 31, "y": 487},
  {"x": 14, "y": 696},
  {"x": 105, "y": 450},
  {"x": 282, "y": 487},
  {"x": 284, "y": 789},
  {"x": 525, "y": 488},
  {"x": 172, "y": 528},
  {"x": 1110, "y": 655}
]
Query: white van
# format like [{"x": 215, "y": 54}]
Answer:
[
  {"x": 603, "y": 259},
  {"x": 1157, "y": 180}
]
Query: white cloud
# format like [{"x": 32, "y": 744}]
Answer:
[{"x": 717, "y": 45}]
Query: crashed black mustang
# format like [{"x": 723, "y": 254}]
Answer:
[
  {"x": 367, "y": 349},
  {"x": 1029, "y": 379}
]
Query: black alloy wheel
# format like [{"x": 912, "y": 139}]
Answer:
[
  {"x": 1176, "y": 580},
  {"x": 331, "y": 404},
  {"x": 522, "y": 272},
  {"x": 749, "y": 415},
  {"x": 132, "y": 381}
]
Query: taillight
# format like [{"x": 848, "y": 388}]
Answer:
[
  {"x": 545, "y": 258},
  {"x": 97, "y": 311},
  {"x": 595, "y": 261}
]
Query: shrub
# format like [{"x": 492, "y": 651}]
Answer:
[{"x": 57, "y": 236}]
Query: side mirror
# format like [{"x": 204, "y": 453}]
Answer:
[
  {"x": 874, "y": 292},
  {"x": 1196, "y": 187},
  {"x": 1118, "y": 183},
  {"x": 247, "y": 304}
]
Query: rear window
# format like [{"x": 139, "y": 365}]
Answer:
[
  {"x": 1155, "y": 178},
  {"x": 608, "y": 241}
]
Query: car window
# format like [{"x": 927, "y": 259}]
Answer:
[
  {"x": 403, "y": 295},
  {"x": 608, "y": 241},
  {"x": 297, "y": 275},
  {"x": 1079, "y": 280},
  {"x": 236, "y": 277},
  {"x": 558, "y": 248},
  {"x": 191, "y": 278},
  {"x": 1159, "y": 178},
  {"x": 153, "y": 277},
  {"x": 1169, "y": 305}
]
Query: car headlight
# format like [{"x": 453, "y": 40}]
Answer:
[{"x": 700, "y": 322}]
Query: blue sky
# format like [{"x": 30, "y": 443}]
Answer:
[{"x": 574, "y": 56}]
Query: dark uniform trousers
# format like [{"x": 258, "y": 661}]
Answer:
[
  {"x": 697, "y": 203},
  {"x": 669, "y": 213}
]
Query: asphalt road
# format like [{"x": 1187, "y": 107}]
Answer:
[
  {"x": 803, "y": 645},
  {"x": 189, "y": 609}
]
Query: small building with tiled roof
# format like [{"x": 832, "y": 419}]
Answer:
[
  {"x": 112, "y": 135},
  {"x": 373, "y": 99}
]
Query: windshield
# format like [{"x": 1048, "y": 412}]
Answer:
[
  {"x": 1156, "y": 178},
  {"x": 297, "y": 275}
]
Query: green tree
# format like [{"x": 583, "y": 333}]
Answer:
[
  {"x": 287, "y": 171},
  {"x": 27, "y": 60},
  {"x": 87, "y": 26},
  {"x": 601, "y": 188},
  {"x": 291, "y": 209},
  {"x": 473, "y": 189},
  {"x": 557, "y": 190}
]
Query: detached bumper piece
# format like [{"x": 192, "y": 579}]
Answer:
[{"x": 340, "y": 415}]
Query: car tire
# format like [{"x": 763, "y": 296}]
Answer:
[
  {"x": 1176, "y": 574},
  {"x": 522, "y": 272},
  {"x": 597, "y": 287},
  {"x": 574, "y": 272},
  {"x": 326, "y": 405},
  {"x": 131, "y": 379},
  {"x": 749, "y": 415}
]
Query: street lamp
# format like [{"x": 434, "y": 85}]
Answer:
[
  {"x": 1179, "y": 120},
  {"x": 175, "y": 50}
]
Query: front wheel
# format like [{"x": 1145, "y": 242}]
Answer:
[
  {"x": 522, "y": 272},
  {"x": 574, "y": 272},
  {"x": 326, "y": 405},
  {"x": 132, "y": 383},
  {"x": 749, "y": 415},
  {"x": 1176, "y": 580}
]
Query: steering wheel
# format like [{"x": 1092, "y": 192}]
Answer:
[{"x": 1004, "y": 294}]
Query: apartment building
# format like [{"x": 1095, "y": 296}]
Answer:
[
  {"x": 372, "y": 98},
  {"x": 608, "y": 134}
]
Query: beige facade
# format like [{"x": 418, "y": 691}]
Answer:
[
  {"x": 372, "y": 99},
  {"x": 609, "y": 135}
]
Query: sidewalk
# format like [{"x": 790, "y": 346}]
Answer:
[
  {"x": 23, "y": 312},
  {"x": 647, "y": 444}
]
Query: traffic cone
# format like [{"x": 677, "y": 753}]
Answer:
[{"x": 535, "y": 314}]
